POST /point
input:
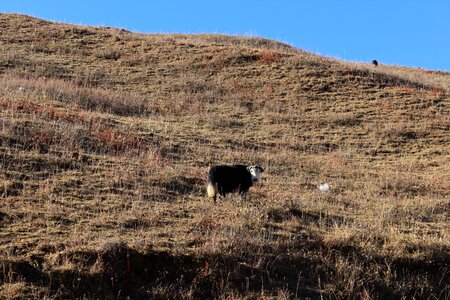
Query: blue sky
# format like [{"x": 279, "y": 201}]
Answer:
[{"x": 412, "y": 33}]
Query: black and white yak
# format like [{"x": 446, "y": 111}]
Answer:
[{"x": 225, "y": 179}]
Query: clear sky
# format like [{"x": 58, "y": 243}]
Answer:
[{"x": 412, "y": 33}]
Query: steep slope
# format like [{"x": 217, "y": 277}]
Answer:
[{"x": 107, "y": 137}]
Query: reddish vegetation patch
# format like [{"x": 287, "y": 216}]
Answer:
[
  {"x": 437, "y": 92},
  {"x": 115, "y": 140},
  {"x": 268, "y": 56},
  {"x": 46, "y": 112}
]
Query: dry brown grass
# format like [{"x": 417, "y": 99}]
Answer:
[{"x": 107, "y": 137}]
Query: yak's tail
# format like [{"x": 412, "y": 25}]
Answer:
[{"x": 212, "y": 190}]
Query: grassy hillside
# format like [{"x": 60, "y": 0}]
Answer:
[{"x": 107, "y": 137}]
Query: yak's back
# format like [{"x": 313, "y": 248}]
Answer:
[{"x": 230, "y": 175}]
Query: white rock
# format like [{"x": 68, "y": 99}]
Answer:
[{"x": 324, "y": 187}]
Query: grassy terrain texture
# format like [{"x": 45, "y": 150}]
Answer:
[{"x": 105, "y": 143}]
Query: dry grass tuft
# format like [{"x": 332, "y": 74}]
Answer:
[{"x": 67, "y": 92}]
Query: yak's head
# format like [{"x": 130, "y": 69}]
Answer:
[{"x": 255, "y": 172}]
